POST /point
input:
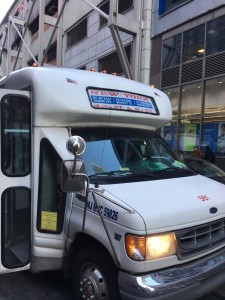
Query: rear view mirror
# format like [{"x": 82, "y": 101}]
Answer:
[{"x": 73, "y": 181}]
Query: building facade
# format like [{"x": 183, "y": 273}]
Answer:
[
  {"x": 175, "y": 45},
  {"x": 188, "y": 63},
  {"x": 104, "y": 35}
]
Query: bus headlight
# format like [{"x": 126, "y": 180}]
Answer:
[
  {"x": 160, "y": 245},
  {"x": 150, "y": 247}
]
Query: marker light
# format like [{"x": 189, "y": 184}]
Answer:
[
  {"x": 135, "y": 246},
  {"x": 201, "y": 50},
  {"x": 150, "y": 247}
]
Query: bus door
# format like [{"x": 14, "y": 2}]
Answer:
[{"x": 15, "y": 208}]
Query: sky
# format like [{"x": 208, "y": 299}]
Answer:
[{"x": 4, "y": 6}]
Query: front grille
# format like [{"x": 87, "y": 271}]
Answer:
[{"x": 195, "y": 240}]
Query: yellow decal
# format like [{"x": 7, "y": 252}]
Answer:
[
  {"x": 49, "y": 220},
  {"x": 124, "y": 169}
]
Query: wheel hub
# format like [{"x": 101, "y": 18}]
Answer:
[{"x": 92, "y": 284}]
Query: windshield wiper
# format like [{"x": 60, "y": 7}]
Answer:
[
  {"x": 122, "y": 173},
  {"x": 112, "y": 173},
  {"x": 176, "y": 170},
  {"x": 146, "y": 173},
  {"x": 166, "y": 170}
]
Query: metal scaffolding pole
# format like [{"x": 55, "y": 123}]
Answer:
[
  {"x": 117, "y": 23},
  {"x": 3, "y": 46},
  {"x": 53, "y": 33},
  {"x": 14, "y": 25},
  {"x": 121, "y": 51},
  {"x": 24, "y": 34}
]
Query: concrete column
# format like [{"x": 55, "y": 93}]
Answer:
[{"x": 145, "y": 53}]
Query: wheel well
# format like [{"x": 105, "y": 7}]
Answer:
[{"x": 82, "y": 240}]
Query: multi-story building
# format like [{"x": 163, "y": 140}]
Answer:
[
  {"x": 175, "y": 45},
  {"x": 105, "y": 35},
  {"x": 188, "y": 63}
]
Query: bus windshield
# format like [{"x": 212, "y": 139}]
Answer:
[{"x": 115, "y": 155}]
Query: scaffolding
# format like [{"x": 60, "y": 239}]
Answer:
[
  {"x": 15, "y": 55},
  {"x": 15, "y": 45}
]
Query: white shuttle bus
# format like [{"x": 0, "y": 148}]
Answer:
[{"x": 87, "y": 186}]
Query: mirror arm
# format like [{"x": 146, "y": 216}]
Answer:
[
  {"x": 74, "y": 164},
  {"x": 76, "y": 147}
]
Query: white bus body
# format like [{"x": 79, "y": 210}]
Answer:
[{"x": 143, "y": 226}]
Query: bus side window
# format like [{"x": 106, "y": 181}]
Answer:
[
  {"x": 15, "y": 136},
  {"x": 51, "y": 199}
]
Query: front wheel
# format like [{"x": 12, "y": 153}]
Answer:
[{"x": 95, "y": 276}]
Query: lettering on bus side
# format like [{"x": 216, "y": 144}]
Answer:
[{"x": 105, "y": 211}]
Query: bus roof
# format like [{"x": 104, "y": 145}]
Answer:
[{"x": 70, "y": 97}]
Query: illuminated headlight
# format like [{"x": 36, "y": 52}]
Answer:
[{"x": 150, "y": 247}]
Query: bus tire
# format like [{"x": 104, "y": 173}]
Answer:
[{"x": 94, "y": 275}]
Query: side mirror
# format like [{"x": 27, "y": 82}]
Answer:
[
  {"x": 75, "y": 145},
  {"x": 73, "y": 181}
]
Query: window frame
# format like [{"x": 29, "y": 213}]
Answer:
[
  {"x": 103, "y": 21},
  {"x": 121, "y": 9},
  {"x": 114, "y": 55},
  {"x": 189, "y": 48},
  {"x": 214, "y": 36},
  {"x": 72, "y": 42},
  {"x": 164, "y": 7},
  {"x": 177, "y": 40},
  {"x": 3, "y": 229},
  {"x": 3, "y": 120},
  {"x": 34, "y": 26},
  {"x": 43, "y": 143}
]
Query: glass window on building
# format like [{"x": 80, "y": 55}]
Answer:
[
  {"x": 174, "y": 96},
  {"x": 214, "y": 115},
  {"x": 166, "y": 5},
  {"x": 193, "y": 43},
  {"x": 34, "y": 26},
  {"x": 51, "y": 55},
  {"x": 81, "y": 68},
  {"x": 215, "y": 37},
  {"x": 105, "y": 8},
  {"x": 169, "y": 131},
  {"x": 77, "y": 33},
  {"x": 52, "y": 8},
  {"x": 190, "y": 116},
  {"x": 16, "y": 44},
  {"x": 171, "y": 51},
  {"x": 124, "y": 6},
  {"x": 170, "y": 4},
  {"x": 191, "y": 102},
  {"x": 111, "y": 62}
]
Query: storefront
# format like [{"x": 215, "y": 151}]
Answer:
[{"x": 193, "y": 76}]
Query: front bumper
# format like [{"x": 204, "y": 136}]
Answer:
[{"x": 188, "y": 281}]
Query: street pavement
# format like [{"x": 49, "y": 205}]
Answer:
[
  {"x": 27, "y": 286},
  {"x": 217, "y": 294},
  {"x": 52, "y": 286}
]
